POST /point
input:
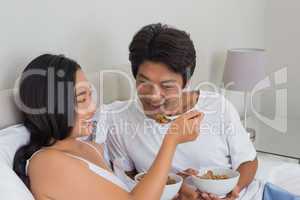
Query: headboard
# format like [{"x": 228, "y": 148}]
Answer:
[
  {"x": 9, "y": 113},
  {"x": 116, "y": 83}
]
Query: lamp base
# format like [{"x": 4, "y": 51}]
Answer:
[{"x": 252, "y": 134}]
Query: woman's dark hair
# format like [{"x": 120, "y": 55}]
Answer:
[
  {"x": 161, "y": 43},
  {"x": 47, "y": 101}
]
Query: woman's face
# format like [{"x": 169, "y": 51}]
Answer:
[{"x": 85, "y": 107}]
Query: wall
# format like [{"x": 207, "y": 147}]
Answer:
[
  {"x": 282, "y": 43},
  {"x": 96, "y": 33}
]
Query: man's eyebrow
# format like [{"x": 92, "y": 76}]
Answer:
[
  {"x": 168, "y": 81},
  {"x": 162, "y": 82}
]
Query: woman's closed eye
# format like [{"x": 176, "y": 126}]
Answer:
[
  {"x": 81, "y": 100},
  {"x": 81, "y": 96}
]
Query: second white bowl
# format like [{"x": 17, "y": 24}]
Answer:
[{"x": 217, "y": 187}]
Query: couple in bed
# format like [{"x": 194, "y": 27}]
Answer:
[{"x": 58, "y": 108}]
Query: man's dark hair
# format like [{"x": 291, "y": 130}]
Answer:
[{"x": 164, "y": 44}]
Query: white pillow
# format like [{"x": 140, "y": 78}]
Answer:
[{"x": 11, "y": 186}]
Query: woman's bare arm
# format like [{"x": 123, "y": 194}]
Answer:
[{"x": 61, "y": 177}]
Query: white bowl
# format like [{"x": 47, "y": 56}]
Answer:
[
  {"x": 217, "y": 187},
  {"x": 170, "y": 191}
]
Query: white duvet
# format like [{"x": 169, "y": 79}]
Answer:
[{"x": 279, "y": 172}]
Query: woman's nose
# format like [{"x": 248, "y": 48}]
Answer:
[{"x": 93, "y": 108}]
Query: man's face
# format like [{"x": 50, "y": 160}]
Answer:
[{"x": 159, "y": 88}]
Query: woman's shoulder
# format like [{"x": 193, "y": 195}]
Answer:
[
  {"x": 97, "y": 145},
  {"x": 51, "y": 170},
  {"x": 50, "y": 162},
  {"x": 46, "y": 154}
]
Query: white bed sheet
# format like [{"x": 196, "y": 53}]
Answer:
[{"x": 284, "y": 173}]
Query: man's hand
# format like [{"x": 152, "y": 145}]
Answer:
[
  {"x": 234, "y": 194},
  {"x": 188, "y": 172},
  {"x": 186, "y": 192}
]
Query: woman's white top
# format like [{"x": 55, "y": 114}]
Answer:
[{"x": 103, "y": 173}]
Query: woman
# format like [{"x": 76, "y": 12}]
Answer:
[{"x": 56, "y": 164}]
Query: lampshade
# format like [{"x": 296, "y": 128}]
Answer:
[{"x": 244, "y": 68}]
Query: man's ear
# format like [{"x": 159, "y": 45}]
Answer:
[{"x": 187, "y": 86}]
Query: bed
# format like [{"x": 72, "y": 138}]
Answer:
[
  {"x": 12, "y": 135},
  {"x": 283, "y": 172}
]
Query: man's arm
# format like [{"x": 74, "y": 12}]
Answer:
[{"x": 247, "y": 171}]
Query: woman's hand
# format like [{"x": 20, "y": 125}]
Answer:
[{"x": 185, "y": 128}]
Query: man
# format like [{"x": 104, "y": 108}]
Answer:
[{"x": 163, "y": 59}]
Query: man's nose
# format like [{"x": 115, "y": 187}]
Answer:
[{"x": 156, "y": 94}]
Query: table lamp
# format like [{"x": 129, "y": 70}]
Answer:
[{"x": 244, "y": 68}]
